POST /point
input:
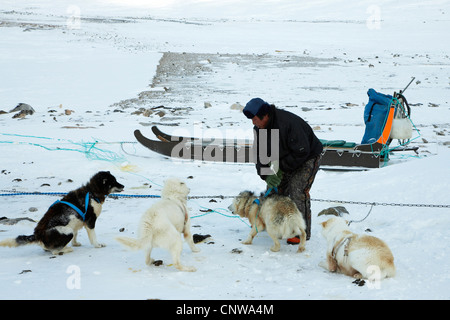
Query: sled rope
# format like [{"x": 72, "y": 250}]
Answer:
[
  {"x": 7, "y": 193},
  {"x": 112, "y": 195},
  {"x": 209, "y": 211},
  {"x": 115, "y": 196},
  {"x": 89, "y": 149}
]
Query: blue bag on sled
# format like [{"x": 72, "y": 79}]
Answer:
[{"x": 375, "y": 114}]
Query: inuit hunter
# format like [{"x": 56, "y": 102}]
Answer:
[
  {"x": 79, "y": 208},
  {"x": 298, "y": 158}
]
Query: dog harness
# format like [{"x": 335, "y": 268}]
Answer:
[
  {"x": 344, "y": 242},
  {"x": 258, "y": 202},
  {"x": 81, "y": 213}
]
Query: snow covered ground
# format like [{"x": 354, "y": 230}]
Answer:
[{"x": 103, "y": 60}]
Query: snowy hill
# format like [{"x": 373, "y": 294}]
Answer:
[{"x": 90, "y": 68}]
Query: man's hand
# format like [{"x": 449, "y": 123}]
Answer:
[{"x": 274, "y": 180}]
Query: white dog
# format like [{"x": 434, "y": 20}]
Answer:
[
  {"x": 358, "y": 256},
  {"x": 161, "y": 225}
]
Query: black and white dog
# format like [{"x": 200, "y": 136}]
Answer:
[{"x": 61, "y": 222}]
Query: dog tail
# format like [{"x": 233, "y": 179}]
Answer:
[
  {"x": 19, "y": 241},
  {"x": 389, "y": 269},
  {"x": 134, "y": 244},
  {"x": 390, "y": 272}
]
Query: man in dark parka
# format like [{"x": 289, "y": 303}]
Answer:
[{"x": 296, "y": 160}]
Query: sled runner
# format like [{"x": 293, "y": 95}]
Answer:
[
  {"x": 195, "y": 149},
  {"x": 336, "y": 153},
  {"x": 167, "y": 137},
  {"x": 386, "y": 118}
]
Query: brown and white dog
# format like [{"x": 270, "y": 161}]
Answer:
[
  {"x": 354, "y": 255},
  {"x": 276, "y": 214}
]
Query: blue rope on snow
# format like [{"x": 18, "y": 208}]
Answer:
[
  {"x": 112, "y": 195},
  {"x": 89, "y": 149}
]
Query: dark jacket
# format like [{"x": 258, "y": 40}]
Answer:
[{"x": 297, "y": 141}]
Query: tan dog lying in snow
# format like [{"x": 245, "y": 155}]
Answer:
[{"x": 354, "y": 255}]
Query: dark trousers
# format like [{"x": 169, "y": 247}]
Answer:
[{"x": 296, "y": 185}]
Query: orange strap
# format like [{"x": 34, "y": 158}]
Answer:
[{"x": 387, "y": 126}]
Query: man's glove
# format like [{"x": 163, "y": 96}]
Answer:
[{"x": 274, "y": 180}]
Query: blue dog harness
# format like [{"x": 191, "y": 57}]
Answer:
[
  {"x": 81, "y": 213},
  {"x": 266, "y": 195}
]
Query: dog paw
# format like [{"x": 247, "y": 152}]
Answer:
[
  {"x": 300, "y": 249},
  {"x": 196, "y": 250},
  {"x": 99, "y": 245},
  {"x": 247, "y": 242},
  {"x": 323, "y": 264},
  {"x": 186, "y": 268},
  {"x": 76, "y": 244},
  {"x": 62, "y": 251},
  {"x": 357, "y": 276}
]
